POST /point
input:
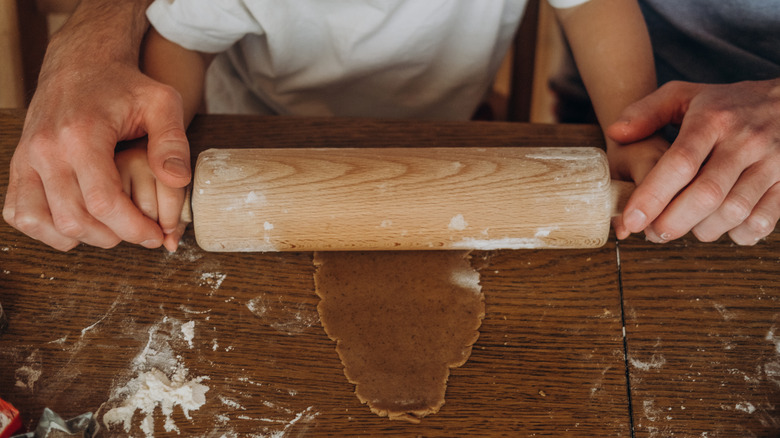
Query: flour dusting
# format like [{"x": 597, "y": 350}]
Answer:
[
  {"x": 458, "y": 223},
  {"x": 656, "y": 361},
  {"x": 188, "y": 332},
  {"x": 160, "y": 381},
  {"x": 467, "y": 278},
  {"x": 151, "y": 389},
  {"x": 28, "y": 374},
  {"x": 212, "y": 279}
]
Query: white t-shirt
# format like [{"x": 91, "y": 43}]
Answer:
[{"x": 428, "y": 59}]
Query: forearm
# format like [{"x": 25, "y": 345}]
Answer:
[
  {"x": 108, "y": 30},
  {"x": 614, "y": 56},
  {"x": 180, "y": 68}
]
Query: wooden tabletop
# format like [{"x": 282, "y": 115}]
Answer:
[{"x": 629, "y": 339}]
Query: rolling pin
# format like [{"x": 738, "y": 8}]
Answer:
[{"x": 403, "y": 198}]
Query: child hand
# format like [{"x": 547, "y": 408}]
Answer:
[
  {"x": 157, "y": 201},
  {"x": 632, "y": 162}
]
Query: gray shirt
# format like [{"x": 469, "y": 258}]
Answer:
[{"x": 714, "y": 41}]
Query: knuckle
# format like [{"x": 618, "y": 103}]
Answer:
[
  {"x": 163, "y": 95},
  {"x": 148, "y": 209},
  {"x": 27, "y": 223},
  {"x": 736, "y": 207},
  {"x": 100, "y": 203},
  {"x": 709, "y": 194},
  {"x": 68, "y": 225},
  {"x": 685, "y": 162},
  {"x": 720, "y": 118}
]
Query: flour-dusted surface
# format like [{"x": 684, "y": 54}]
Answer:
[
  {"x": 550, "y": 357},
  {"x": 160, "y": 381},
  {"x": 704, "y": 354}
]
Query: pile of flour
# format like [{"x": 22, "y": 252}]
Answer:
[{"x": 161, "y": 380}]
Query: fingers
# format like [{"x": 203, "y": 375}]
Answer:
[
  {"x": 168, "y": 149},
  {"x": 171, "y": 242},
  {"x": 762, "y": 220},
  {"x": 666, "y": 105},
  {"x": 633, "y": 162},
  {"x": 673, "y": 172},
  {"x": 30, "y": 213},
  {"x": 741, "y": 202},
  {"x": 170, "y": 202},
  {"x": 105, "y": 200}
]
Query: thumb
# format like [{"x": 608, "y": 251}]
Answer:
[
  {"x": 168, "y": 150},
  {"x": 641, "y": 119}
]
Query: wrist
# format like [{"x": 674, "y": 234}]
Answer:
[{"x": 100, "y": 30}]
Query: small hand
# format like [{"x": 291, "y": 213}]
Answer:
[
  {"x": 157, "y": 201},
  {"x": 721, "y": 174}
]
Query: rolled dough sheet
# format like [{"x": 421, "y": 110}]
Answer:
[{"x": 400, "y": 320}]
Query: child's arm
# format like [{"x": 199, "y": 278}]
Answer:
[
  {"x": 183, "y": 70},
  {"x": 612, "y": 49}
]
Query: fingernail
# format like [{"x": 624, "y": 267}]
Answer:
[
  {"x": 652, "y": 236},
  {"x": 635, "y": 219},
  {"x": 151, "y": 243},
  {"x": 176, "y": 167}
]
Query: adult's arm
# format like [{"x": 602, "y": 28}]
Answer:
[
  {"x": 721, "y": 174},
  {"x": 64, "y": 187}
]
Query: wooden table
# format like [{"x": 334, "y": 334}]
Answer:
[{"x": 629, "y": 339}]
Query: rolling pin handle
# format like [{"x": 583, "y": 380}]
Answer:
[
  {"x": 186, "y": 209},
  {"x": 620, "y": 191}
]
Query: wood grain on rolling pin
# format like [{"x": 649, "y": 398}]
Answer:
[{"x": 401, "y": 198}]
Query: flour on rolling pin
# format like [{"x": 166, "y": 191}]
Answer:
[{"x": 401, "y": 199}]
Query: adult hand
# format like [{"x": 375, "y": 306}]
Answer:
[
  {"x": 721, "y": 174},
  {"x": 64, "y": 187}
]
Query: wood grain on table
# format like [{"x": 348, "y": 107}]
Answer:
[{"x": 550, "y": 359}]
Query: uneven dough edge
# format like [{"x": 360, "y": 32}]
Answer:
[{"x": 412, "y": 416}]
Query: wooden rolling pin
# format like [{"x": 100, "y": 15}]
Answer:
[{"x": 403, "y": 199}]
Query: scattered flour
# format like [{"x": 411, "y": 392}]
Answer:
[
  {"x": 188, "y": 332},
  {"x": 160, "y": 380},
  {"x": 231, "y": 403},
  {"x": 745, "y": 407},
  {"x": 212, "y": 279},
  {"x": 151, "y": 389},
  {"x": 281, "y": 316},
  {"x": 656, "y": 361},
  {"x": 306, "y": 415},
  {"x": 466, "y": 278},
  {"x": 505, "y": 243},
  {"x": 29, "y": 373},
  {"x": 458, "y": 223},
  {"x": 770, "y": 336},
  {"x": 26, "y": 376}
]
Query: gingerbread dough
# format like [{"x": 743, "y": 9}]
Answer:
[{"x": 400, "y": 320}]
